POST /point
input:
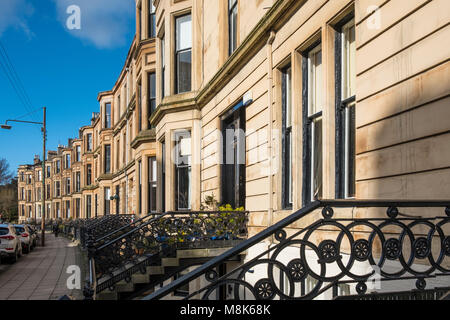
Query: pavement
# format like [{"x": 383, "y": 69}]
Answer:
[{"x": 42, "y": 274}]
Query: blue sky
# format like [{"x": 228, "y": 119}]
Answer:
[{"x": 61, "y": 69}]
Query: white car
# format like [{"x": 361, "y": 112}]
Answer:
[
  {"x": 10, "y": 245},
  {"x": 25, "y": 237}
]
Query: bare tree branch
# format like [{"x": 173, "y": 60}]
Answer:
[{"x": 5, "y": 173}]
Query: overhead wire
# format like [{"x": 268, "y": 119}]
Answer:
[{"x": 15, "y": 80}]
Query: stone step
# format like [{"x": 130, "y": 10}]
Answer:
[
  {"x": 155, "y": 270},
  {"x": 107, "y": 295},
  {"x": 123, "y": 286},
  {"x": 140, "y": 278},
  {"x": 202, "y": 253},
  {"x": 170, "y": 262}
]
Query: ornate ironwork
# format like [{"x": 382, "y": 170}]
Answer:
[
  {"x": 333, "y": 252},
  {"x": 134, "y": 246}
]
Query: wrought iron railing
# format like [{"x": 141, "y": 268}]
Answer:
[
  {"x": 99, "y": 227},
  {"x": 331, "y": 248},
  {"x": 157, "y": 236}
]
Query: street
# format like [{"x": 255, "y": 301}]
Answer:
[{"x": 41, "y": 274}]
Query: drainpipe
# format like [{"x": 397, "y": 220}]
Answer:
[{"x": 270, "y": 136}]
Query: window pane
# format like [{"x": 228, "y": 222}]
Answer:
[
  {"x": 287, "y": 141},
  {"x": 184, "y": 71},
  {"x": 152, "y": 85},
  {"x": 184, "y": 34},
  {"x": 183, "y": 170},
  {"x": 288, "y": 96},
  {"x": 108, "y": 115},
  {"x": 317, "y": 159},
  {"x": 107, "y": 200},
  {"x": 152, "y": 20},
  {"x": 152, "y": 95},
  {"x": 350, "y": 151},
  {"x": 183, "y": 196},
  {"x": 315, "y": 81},
  {"x": 153, "y": 197},
  {"x": 233, "y": 28},
  {"x": 107, "y": 158},
  {"x": 348, "y": 60}
]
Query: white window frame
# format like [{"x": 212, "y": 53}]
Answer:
[
  {"x": 346, "y": 93},
  {"x": 313, "y": 85}
]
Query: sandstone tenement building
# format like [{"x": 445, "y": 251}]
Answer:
[{"x": 335, "y": 98}]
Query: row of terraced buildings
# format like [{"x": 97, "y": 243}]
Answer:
[{"x": 334, "y": 99}]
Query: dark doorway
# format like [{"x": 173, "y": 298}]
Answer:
[{"x": 233, "y": 166}]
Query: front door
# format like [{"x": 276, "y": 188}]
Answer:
[{"x": 233, "y": 167}]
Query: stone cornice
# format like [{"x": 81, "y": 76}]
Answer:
[
  {"x": 105, "y": 176},
  {"x": 142, "y": 137},
  {"x": 126, "y": 168},
  {"x": 89, "y": 188},
  {"x": 176, "y": 103},
  {"x": 143, "y": 45}
]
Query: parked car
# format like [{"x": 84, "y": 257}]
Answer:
[
  {"x": 24, "y": 235},
  {"x": 33, "y": 236},
  {"x": 10, "y": 245}
]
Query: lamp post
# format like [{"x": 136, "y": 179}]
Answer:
[{"x": 44, "y": 135}]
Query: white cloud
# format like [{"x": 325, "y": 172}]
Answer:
[
  {"x": 104, "y": 23},
  {"x": 13, "y": 13}
]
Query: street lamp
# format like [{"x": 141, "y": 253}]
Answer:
[{"x": 44, "y": 134}]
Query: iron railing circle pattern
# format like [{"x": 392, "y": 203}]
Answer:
[
  {"x": 148, "y": 239},
  {"x": 415, "y": 241}
]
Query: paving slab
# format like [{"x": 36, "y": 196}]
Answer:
[{"x": 41, "y": 274}]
